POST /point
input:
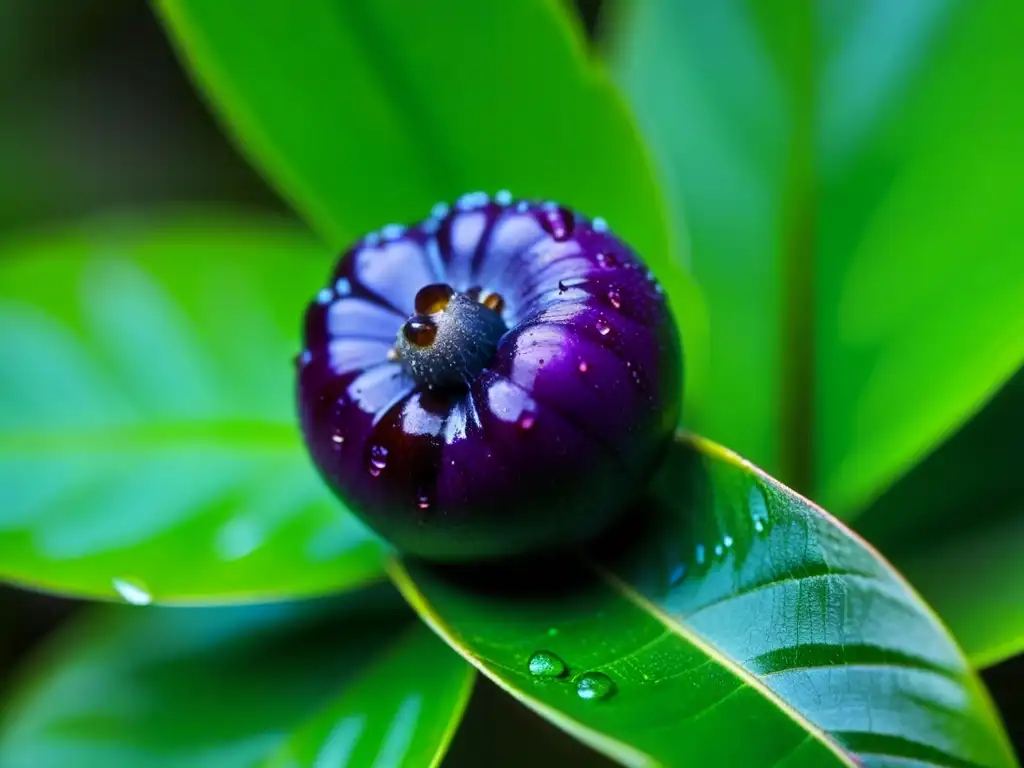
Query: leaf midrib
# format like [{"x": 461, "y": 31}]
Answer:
[{"x": 746, "y": 678}]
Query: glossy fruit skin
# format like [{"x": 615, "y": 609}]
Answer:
[{"x": 543, "y": 447}]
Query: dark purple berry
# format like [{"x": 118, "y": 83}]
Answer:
[{"x": 497, "y": 379}]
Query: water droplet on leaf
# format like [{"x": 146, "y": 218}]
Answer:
[
  {"x": 133, "y": 591},
  {"x": 546, "y": 664},
  {"x": 594, "y": 686}
]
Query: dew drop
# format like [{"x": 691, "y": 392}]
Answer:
[
  {"x": 343, "y": 286},
  {"x": 372, "y": 240},
  {"x": 701, "y": 555},
  {"x": 727, "y": 541},
  {"x": 557, "y": 222},
  {"x": 433, "y": 298},
  {"x": 594, "y": 686},
  {"x": 338, "y": 439},
  {"x": 378, "y": 459},
  {"x": 526, "y": 421},
  {"x": 325, "y": 296},
  {"x": 133, "y": 591},
  {"x": 472, "y": 200},
  {"x": 440, "y": 210},
  {"x": 719, "y": 550},
  {"x": 615, "y": 299},
  {"x": 602, "y": 326},
  {"x": 420, "y": 331},
  {"x": 676, "y": 575},
  {"x": 553, "y": 632},
  {"x": 583, "y": 366},
  {"x": 599, "y": 224},
  {"x": 424, "y": 501},
  {"x": 758, "y": 509},
  {"x": 546, "y": 664},
  {"x": 504, "y": 197},
  {"x": 522, "y": 206},
  {"x": 392, "y": 231}
]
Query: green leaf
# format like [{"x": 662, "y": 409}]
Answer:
[
  {"x": 148, "y": 447},
  {"x": 703, "y": 81},
  {"x": 849, "y": 174},
  {"x": 954, "y": 523},
  {"x": 403, "y": 710},
  {"x": 509, "y": 734},
  {"x": 974, "y": 582},
  {"x": 223, "y": 687},
  {"x": 920, "y": 268},
  {"x": 369, "y": 111},
  {"x": 741, "y": 626}
]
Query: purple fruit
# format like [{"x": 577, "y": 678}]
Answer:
[{"x": 500, "y": 378}]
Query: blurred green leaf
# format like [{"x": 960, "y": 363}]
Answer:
[
  {"x": 222, "y": 687},
  {"x": 370, "y": 111},
  {"x": 715, "y": 87},
  {"x": 512, "y": 736},
  {"x": 148, "y": 449},
  {"x": 921, "y": 273},
  {"x": 954, "y": 526},
  {"x": 974, "y": 582},
  {"x": 744, "y": 627},
  {"x": 403, "y": 710},
  {"x": 849, "y": 172}
]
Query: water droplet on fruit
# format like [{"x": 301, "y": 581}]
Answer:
[
  {"x": 378, "y": 459},
  {"x": 572, "y": 282},
  {"x": 424, "y": 501},
  {"x": 615, "y": 299},
  {"x": 420, "y": 331},
  {"x": 602, "y": 326},
  {"x": 133, "y": 591},
  {"x": 392, "y": 231},
  {"x": 546, "y": 664},
  {"x": 557, "y": 222},
  {"x": 594, "y": 686},
  {"x": 433, "y": 298}
]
